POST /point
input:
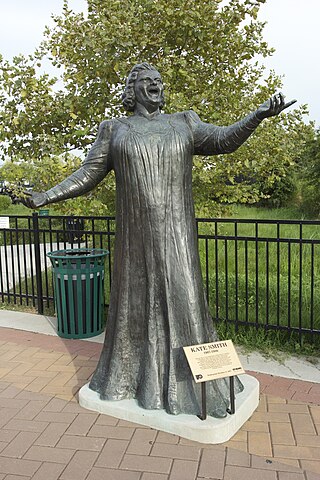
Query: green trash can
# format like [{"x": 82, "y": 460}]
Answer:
[{"x": 79, "y": 291}]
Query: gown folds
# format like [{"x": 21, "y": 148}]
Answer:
[{"x": 157, "y": 301}]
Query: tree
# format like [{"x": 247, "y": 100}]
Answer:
[
  {"x": 206, "y": 53},
  {"x": 309, "y": 176}
]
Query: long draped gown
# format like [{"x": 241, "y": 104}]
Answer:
[{"x": 157, "y": 302}]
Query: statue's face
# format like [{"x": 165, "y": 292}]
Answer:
[{"x": 148, "y": 88}]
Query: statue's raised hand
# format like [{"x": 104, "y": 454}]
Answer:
[
  {"x": 34, "y": 199},
  {"x": 275, "y": 105}
]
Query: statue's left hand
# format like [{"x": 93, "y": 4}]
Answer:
[{"x": 275, "y": 105}]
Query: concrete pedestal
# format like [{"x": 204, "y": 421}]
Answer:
[{"x": 212, "y": 430}]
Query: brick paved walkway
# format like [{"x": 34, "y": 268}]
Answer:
[{"x": 45, "y": 435}]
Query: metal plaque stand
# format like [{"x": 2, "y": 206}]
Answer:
[{"x": 230, "y": 410}]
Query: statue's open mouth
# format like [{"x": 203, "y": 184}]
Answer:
[{"x": 153, "y": 91}]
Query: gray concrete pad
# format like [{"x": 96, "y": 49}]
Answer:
[{"x": 212, "y": 430}]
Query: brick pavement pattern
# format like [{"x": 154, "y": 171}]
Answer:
[{"x": 46, "y": 435}]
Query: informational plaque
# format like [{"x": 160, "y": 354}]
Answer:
[
  {"x": 210, "y": 361},
  {"x": 4, "y": 222}
]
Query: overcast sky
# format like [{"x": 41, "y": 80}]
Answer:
[{"x": 292, "y": 29}]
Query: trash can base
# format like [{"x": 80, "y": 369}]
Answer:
[{"x": 79, "y": 336}]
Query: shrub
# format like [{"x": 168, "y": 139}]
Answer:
[{"x": 5, "y": 203}]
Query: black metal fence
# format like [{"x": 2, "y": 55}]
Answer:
[
  {"x": 261, "y": 273},
  {"x": 26, "y": 276}
]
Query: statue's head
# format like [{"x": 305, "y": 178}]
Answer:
[{"x": 144, "y": 84}]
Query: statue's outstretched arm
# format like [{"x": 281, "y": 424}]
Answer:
[
  {"x": 94, "y": 168},
  {"x": 211, "y": 139}
]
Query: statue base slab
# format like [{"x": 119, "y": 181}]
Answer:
[{"x": 212, "y": 430}]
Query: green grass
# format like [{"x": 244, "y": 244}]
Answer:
[
  {"x": 275, "y": 344},
  {"x": 15, "y": 210},
  {"x": 238, "y": 290},
  {"x": 263, "y": 213}
]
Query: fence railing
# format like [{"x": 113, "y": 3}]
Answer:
[
  {"x": 261, "y": 273},
  {"x": 26, "y": 276}
]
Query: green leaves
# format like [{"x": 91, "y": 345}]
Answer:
[{"x": 206, "y": 52}]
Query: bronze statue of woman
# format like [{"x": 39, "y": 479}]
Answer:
[{"x": 157, "y": 302}]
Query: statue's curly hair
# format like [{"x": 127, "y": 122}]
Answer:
[{"x": 128, "y": 96}]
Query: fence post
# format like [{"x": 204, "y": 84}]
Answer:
[{"x": 37, "y": 257}]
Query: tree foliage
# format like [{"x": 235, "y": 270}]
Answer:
[
  {"x": 309, "y": 176},
  {"x": 207, "y": 53}
]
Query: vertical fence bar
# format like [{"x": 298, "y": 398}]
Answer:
[
  {"x": 267, "y": 284},
  {"x": 51, "y": 249},
  {"x": 207, "y": 270},
  {"x": 312, "y": 289},
  {"x": 93, "y": 234},
  {"x": 31, "y": 256},
  {"x": 25, "y": 266},
  {"x": 289, "y": 286},
  {"x": 2, "y": 270},
  {"x": 58, "y": 234},
  {"x": 64, "y": 227},
  {"x": 236, "y": 273},
  {"x": 37, "y": 256},
  {"x": 278, "y": 273},
  {"x": 86, "y": 240},
  {"x": 257, "y": 273},
  {"x": 50, "y": 232},
  {"x": 216, "y": 251},
  {"x": 14, "y": 292},
  {"x": 101, "y": 238},
  {"x": 46, "y": 276},
  {"x": 226, "y": 260},
  {"x": 246, "y": 273},
  {"x": 6, "y": 264},
  {"x": 18, "y": 259},
  {"x": 300, "y": 281}
]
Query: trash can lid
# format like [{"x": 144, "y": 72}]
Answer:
[{"x": 78, "y": 253}]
